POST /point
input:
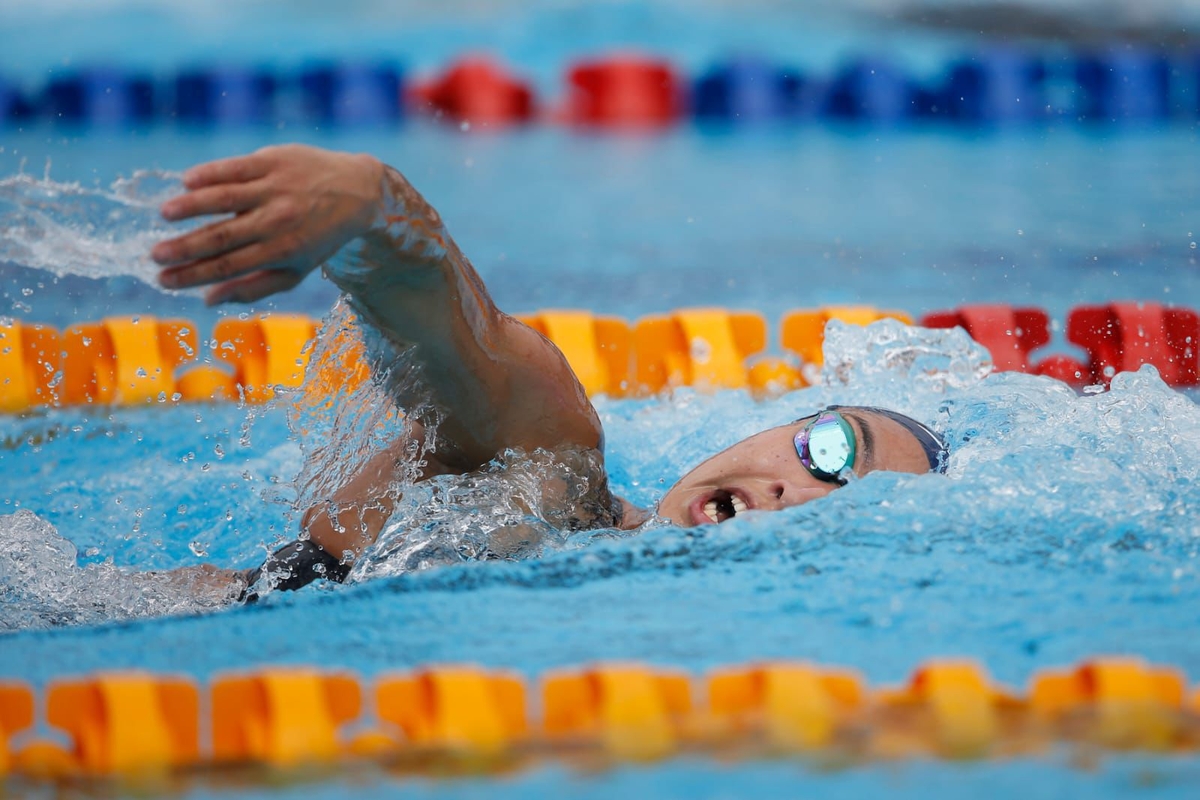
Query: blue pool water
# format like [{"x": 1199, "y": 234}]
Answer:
[{"x": 1066, "y": 527}]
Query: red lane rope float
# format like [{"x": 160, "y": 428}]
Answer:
[
  {"x": 624, "y": 92},
  {"x": 1123, "y": 336},
  {"x": 128, "y": 724},
  {"x": 1008, "y": 333},
  {"x": 478, "y": 91},
  {"x": 1116, "y": 337}
]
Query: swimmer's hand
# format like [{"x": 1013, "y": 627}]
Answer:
[
  {"x": 294, "y": 207},
  {"x": 203, "y": 583}
]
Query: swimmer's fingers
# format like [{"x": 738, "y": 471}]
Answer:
[
  {"x": 226, "y": 198},
  {"x": 212, "y": 240},
  {"x": 253, "y": 287},
  {"x": 227, "y": 266},
  {"x": 239, "y": 169}
]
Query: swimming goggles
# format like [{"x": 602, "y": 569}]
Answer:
[{"x": 826, "y": 446}]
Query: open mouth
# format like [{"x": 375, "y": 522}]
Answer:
[{"x": 718, "y": 507}]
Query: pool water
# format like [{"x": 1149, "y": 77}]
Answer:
[
  {"x": 1065, "y": 527},
  {"x": 765, "y": 219}
]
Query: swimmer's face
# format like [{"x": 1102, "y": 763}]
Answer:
[{"x": 764, "y": 473}]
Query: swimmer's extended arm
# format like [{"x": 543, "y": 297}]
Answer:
[{"x": 500, "y": 383}]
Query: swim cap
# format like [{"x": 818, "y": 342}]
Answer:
[{"x": 935, "y": 449}]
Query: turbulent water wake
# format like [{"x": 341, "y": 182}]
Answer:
[{"x": 42, "y": 586}]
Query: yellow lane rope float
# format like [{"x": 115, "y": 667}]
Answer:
[{"x": 139, "y": 360}]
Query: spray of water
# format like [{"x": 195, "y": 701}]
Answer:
[
  {"x": 94, "y": 232},
  {"x": 1037, "y": 472},
  {"x": 42, "y": 586}
]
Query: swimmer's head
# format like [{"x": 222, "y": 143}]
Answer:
[{"x": 765, "y": 472}]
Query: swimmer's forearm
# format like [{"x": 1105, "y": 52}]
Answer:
[
  {"x": 282, "y": 211},
  {"x": 406, "y": 243},
  {"x": 406, "y": 275},
  {"x": 501, "y": 384}
]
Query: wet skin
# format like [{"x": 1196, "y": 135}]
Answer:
[{"x": 764, "y": 473}]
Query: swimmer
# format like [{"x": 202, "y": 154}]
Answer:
[{"x": 499, "y": 385}]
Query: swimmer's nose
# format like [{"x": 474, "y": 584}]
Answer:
[{"x": 782, "y": 494}]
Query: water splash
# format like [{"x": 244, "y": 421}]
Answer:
[
  {"x": 1038, "y": 475},
  {"x": 42, "y": 586},
  {"x": 71, "y": 229},
  {"x": 343, "y": 415},
  {"x": 888, "y": 354},
  {"x": 516, "y": 507},
  {"x": 520, "y": 506}
]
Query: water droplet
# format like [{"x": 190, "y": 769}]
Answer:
[{"x": 198, "y": 548}]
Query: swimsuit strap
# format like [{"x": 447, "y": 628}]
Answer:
[{"x": 294, "y": 566}]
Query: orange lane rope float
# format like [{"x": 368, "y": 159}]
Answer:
[
  {"x": 130, "y": 724},
  {"x": 139, "y": 360}
]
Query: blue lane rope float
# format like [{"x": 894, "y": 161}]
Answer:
[{"x": 994, "y": 86}]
